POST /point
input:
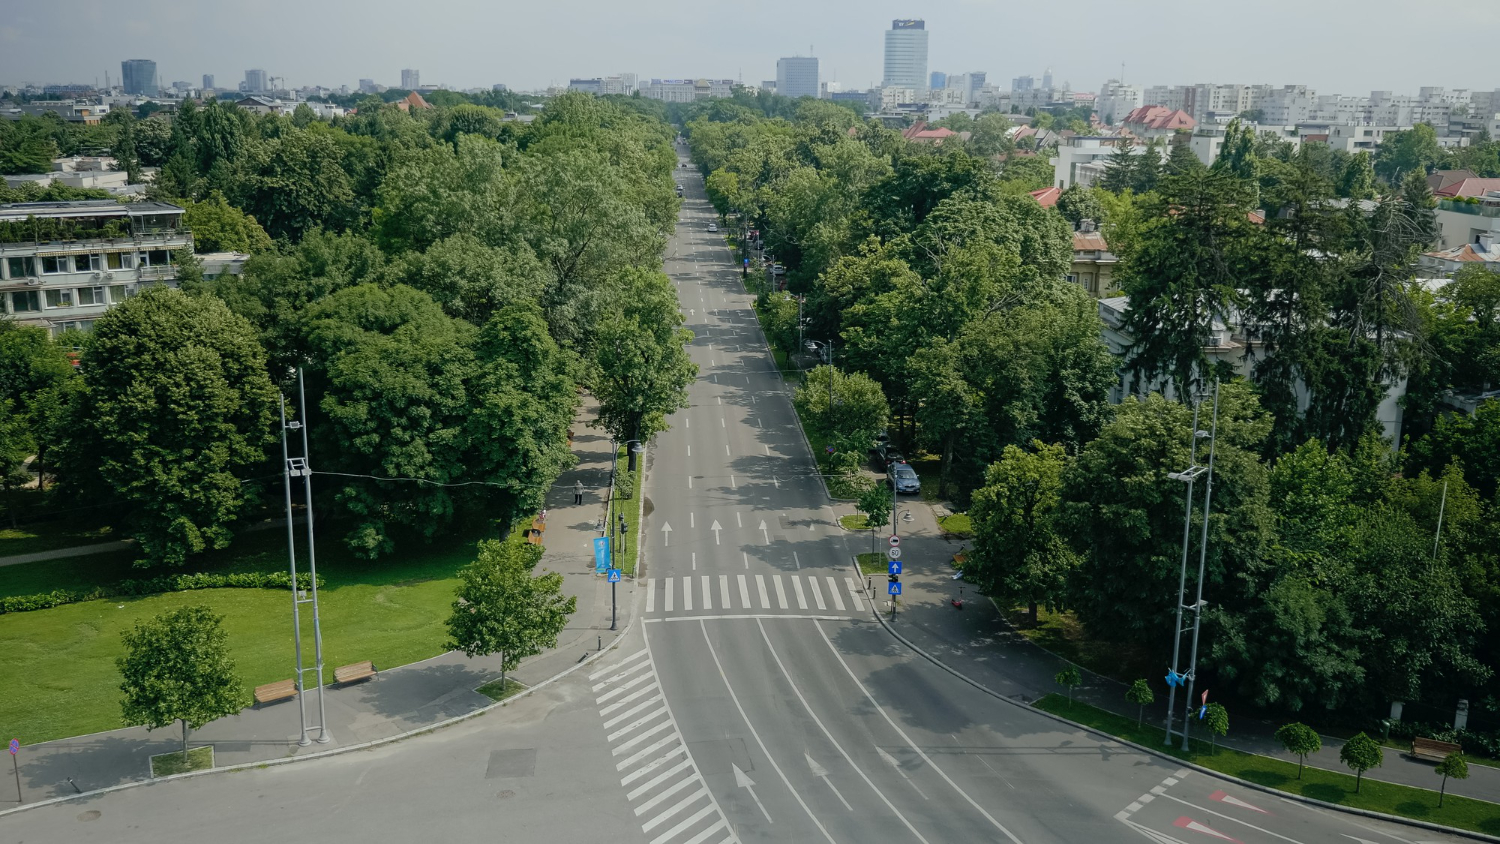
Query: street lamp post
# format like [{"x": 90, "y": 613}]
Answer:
[
  {"x": 1188, "y": 476},
  {"x": 1208, "y": 498}
]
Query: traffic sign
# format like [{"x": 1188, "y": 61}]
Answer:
[
  {"x": 894, "y": 540},
  {"x": 893, "y": 588},
  {"x": 614, "y": 575},
  {"x": 15, "y": 746},
  {"x": 893, "y": 553},
  {"x": 895, "y": 567}
]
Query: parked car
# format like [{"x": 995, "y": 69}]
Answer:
[
  {"x": 713, "y": 227},
  {"x": 887, "y": 455},
  {"x": 904, "y": 479}
]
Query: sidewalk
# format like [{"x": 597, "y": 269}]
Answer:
[
  {"x": 400, "y": 699},
  {"x": 979, "y": 643}
]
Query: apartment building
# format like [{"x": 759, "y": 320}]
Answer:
[
  {"x": 62, "y": 264},
  {"x": 687, "y": 90}
]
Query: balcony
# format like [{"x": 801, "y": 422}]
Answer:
[
  {"x": 1460, "y": 207},
  {"x": 170, "y": 239}
]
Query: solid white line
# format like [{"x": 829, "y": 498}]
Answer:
[
  {"x": 738, "y": 522},
  {"x": 760, "y": 585},
  {"x": 708, "y": 594},
  {"x": 632, "y": 711},
  {"x": 666, "y": 599},
  {"x": 745, "y": 558},
  {"x": 628, "y": 699},
  {"x": 833, "y": 592},
  {"x": 801, "y": 598},
  {"x": 694, "y": 818},
  {"x": 659, "y": 779},
  {"x": 687, "y": 593},
  {"x": 780, "y": 590},
  {"x": 1231, "y": 818},
  {"x": 817, "y": 593},
  {"x": 660, "y": 798},
  {"x": 859, "y": 605},
  {"x": 724, "y": 592},
  {"x": 632, "y": 658},
  {"x": 679, "y": 806},
  {"x": 636, "y": 724},
  {"x": 744, "y": 592},
  {"x": 907, "y": 739},
  {"x": 679, "y": 750},
  {"x": 650, "y": 594},
  {"x": 767, "y": 753}
]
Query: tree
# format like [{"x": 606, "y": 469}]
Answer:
[
  {"x": 176, "y": 667},
  {"x": 295, "y": 183},
  {"x": 1453, "y": 765},
  {"x": 1019, "y": 556},
  {"x": 1079, "y": 203},
  {"x": 1473, "y": 440},
  {"x": 1069, "y": 678},
  {"x": 1407, "y": 151},
  {"x": 1361, "y": 753},
  {"x": 639, "y": 367},
  {"x": 1301, "y": 740},
  {"x": 1120, "y": 169},
  {"x": 875, "y": 502},
  {"x": 218, "y": 226},
  {"x": 177, "y": 408},
  {"x": 501, "y": 607},
  {"x": 1181, "y": 160},
  {"x": 1216, "y": 719},
  {"x": 15, "y": 446},
  {"x": 1141, "y": 695},
  {"x": 847, "y": 410}
]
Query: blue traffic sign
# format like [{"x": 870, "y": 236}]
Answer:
[
  {"x": 614, "y": 575},
  {"x": 895, "y": 566},
  {"x": 893, "y": 588},
  {"x": 601, "y": 554},
  {"x": 15, "y": 746}
]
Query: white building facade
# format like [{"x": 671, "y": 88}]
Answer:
[
  {"x": 906, "y": 55},
  {"x": 797, "y": 76}
]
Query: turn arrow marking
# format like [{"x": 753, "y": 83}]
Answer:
[
  {"x": 666, "y": 534},
  {"x": 716, "y": 527},
  {"x": 742, "y": 780},
  {"x": 822, "y": 773}
]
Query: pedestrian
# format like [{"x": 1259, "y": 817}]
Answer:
[{"x": 578, "y": 492}]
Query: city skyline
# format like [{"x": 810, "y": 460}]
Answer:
[{"x": 847, "y": 38}]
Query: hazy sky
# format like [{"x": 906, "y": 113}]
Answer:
[{"x": 1337, "y": 46}]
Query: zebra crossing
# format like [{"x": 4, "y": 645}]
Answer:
[
  {"x": 660, "y": 778},
  {"x": 697, "y": 595}
]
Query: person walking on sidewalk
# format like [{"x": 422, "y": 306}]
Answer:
[{"x": 578, "y": 492}]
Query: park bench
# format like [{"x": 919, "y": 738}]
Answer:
[
  {"x": 356, "y": 671},
  {"x": 960, "y": 557},
  {"x": 1432, "y": 749},
  {"x": 279, "y": 690}
]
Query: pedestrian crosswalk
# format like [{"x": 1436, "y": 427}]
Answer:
[
  {"x": 662, "y": 783},
  {"x": 698, "y": 595}
]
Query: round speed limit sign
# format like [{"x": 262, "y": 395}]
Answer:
[{"x": 894, "y": 553}]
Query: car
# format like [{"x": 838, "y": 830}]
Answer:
[
  {"x": 904, "y": 479},
  {"x": 778, "y": 269},
  {"x": 886, "y": 456},
  {"x": 713, "y": 227}
]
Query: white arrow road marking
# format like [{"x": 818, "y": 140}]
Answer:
[
  {"x": 1235, "y": 801},
  {"x": 666, "y": 534},
  {"x": 822, "y": 773},
  {"x": 891, "y": 760},
  {"x": 1361, "y": 840},
  {"x": 765, "y": 531},
  {"x": 1186, "y": 822},
  {"x": 715, "y": 527}
]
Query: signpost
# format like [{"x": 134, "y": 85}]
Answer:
[
  {"x": 601, "y": 554},
  {"x": 894, "y": 588},
  {"x": 15, "y": 747},
  {"x": 894, "y": 553},
  {"x": 614, "y": 577},
  {"x": 894, "y": 540},
  {"x": 895, "y": 567}
]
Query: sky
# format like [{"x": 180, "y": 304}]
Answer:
[{"x": 1336, "y": 46}]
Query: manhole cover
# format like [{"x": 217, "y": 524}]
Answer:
[
  {"x": 90, "y": 815},
  {"x": 502, "y": 795}
]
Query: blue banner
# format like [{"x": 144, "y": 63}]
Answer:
[{"x": 601, "y": 554}]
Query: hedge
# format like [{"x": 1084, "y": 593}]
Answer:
[
  {"x": 1475, "y": 743},
  {"x": 154, "y": 586}
]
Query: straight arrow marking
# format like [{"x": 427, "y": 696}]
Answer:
[
  {"x": 1186, "y": 822},
  {"x": 715, "y": 527},
  {"x": 1235, "y": 801},
  {"x": 765, "y": 531},
  {"x": 891, "y": 760},
  {"x": 742, "y": 780},
  {"x": 666, "y": 534},
  {"x": 822, "y": 773}
]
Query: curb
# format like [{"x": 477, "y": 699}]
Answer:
[
  {"x": 1475, "y": 836},
  {"x": 287, "y": 760}
]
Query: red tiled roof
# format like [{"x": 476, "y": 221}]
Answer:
[
  {"x": 1047, "y": 197},
  {"x": 1468, "y": 187},
  {"x": 1463, "y": 253},
  {"x": 1159, "y": 117},
  {"x": 1440, "y": 179}
]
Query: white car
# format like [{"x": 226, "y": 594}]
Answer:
[{"x": 713, "y": 227}]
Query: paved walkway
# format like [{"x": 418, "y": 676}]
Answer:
[
  {"x": 400, "y": 699},
  {"x": 978, "y": 642}
]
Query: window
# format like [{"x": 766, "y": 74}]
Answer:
[
  {"x": 117, "y": 260},
  {"x": 158, "y": 257},
  {"x": 25, "y": 301},
  {"x": 87, "y": 263},
  {"x": 55, "y": 264},
  {"x": 120, "y": 292},
  {"x": 21, "y": 267},
  {"x": 91, "y": 296},
  {"x": 59, "y": 298}
]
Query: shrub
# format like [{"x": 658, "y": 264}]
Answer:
[{"x": 155, "y": 586}]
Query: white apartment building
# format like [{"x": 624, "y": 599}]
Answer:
[
  {"x": 62, "y": 264},
  {"x": 1116, "y": 99},
  {"x": 687, "y": 90},
  {"x": 1082, "y": 158},
  {"x": 906, "y": 55}
]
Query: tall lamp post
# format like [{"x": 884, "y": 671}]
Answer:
[
  {"x": 1188, "y": 476},
  {"x": 1208, "y": 498}
]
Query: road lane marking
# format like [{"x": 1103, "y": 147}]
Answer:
[
  {"x": 695, "y": 560},
  {"x": 632, "y": 711},
  {"x": 737, "y": 521},
  {"x": 662, "y": 797},
  {"x": 744, "y": 592},
  {"x": 659, "y": 778},
  {"x": 708, "y": 594},
  {"x": 732, "y": 484},
  {"x": 637, "y": 724},
  {"x": 629, "y": 699},
  {"x": 801, "y": 598},
  {"x": 760, "y": 585},
  {"x": 909, "y": 742},
  {"x": 833, "y": 592},
  {"x": 694, "y": 818},
  {"x": 1231, "y": 818},
  {"x": 745, "y": 558},
  {"x": 692, "y": 519},
  {"x": 831, "y": 740},
  {"x": 797, "y": 795},
  {"x": 610, "y": 695},
  {"x": 780, "y": 590},
  {"x": 724, "y": 592},
  {"x": 680, "y": 750},
  {"x": 666, "y": 594},
  {"x": 687, "y": 593},
  {"x": 620, "y": 676},
  {"x": 726, "y": 450},
  {"x": 667, "y": 815},
  {"x": 859, "y": 605},
  {"x": 817, "y": 593},
  {"x": 650, "y": 594},
  {"x": 795, "y": 558},
  {"x": 629, "y": 659}
]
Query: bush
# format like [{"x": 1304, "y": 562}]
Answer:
[
  {"x": 1474, "y": 743},
  {"x": 155, "y": 586}
]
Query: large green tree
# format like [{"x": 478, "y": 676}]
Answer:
[
  {"x": 502, "y": 607},
  {"x": 1019, "y": 556},
  {"x": 639, "y": 367},
  {"x": 176, "y": 667}
]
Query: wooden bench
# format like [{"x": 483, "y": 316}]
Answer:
[
  {"x": 1432, "y": 749},
  {"x": 275, "y": 691},
  {"x": 960, "y": 557},
  {"x": 533, "y": 537},
  {"x": 351, "y": 673},
  {"x": 538, "y": 525}
]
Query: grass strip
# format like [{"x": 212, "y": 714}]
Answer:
[
  {"x": 957, "y": 524},
  {"x": 1329, "y": 786},
  {"x": 857, "y": 521},
  {"x": 167, "y": 764},
  {"x": 494, "y": 691},
  {"x": 873, "y": 563}
]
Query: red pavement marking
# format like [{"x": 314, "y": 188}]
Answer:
[
  {"x": 1189, "y": 823},
  {"x": 1235, "y": 801}
]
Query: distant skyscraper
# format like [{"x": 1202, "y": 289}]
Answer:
[
  {"x": 139, "y": 77},
  {"x": 906, "y": 55},
  {"x": 208, "y": 81},
  {"x": 937, "y": 80},
  {"x": 1047, "y": 80},
  {"x": 411, "y": 80},
  {"x": 797, "y": 77},
  {"x": 367, "y": 86},
  {"x": 1022, "y": 83},
  {"x": 256, "y": 81}
]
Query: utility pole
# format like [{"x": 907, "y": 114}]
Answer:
[
  {"x": 299, "y": 467},
  {"x": 1188, "y": 475},
  {"x": 1208, "y": 499}
]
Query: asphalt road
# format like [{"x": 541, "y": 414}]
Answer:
[{"x": 756, "y": 701}]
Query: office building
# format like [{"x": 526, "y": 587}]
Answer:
[
  {"x": 937, "y": 80},
  {"x": 906, "y": 55},
  {"x": 139, "y": 77},
  {"x": 797, "y": 77},
  {"x": 411, "y": 79},
  {"x": 257, "y": 81},
  {"x": 687, "y": 90},
  {"x": 76, "y": 259},
  {"x": 208, "y": 81}
]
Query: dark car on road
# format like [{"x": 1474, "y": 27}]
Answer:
[
  {"x": 887, "y": 455},
  {"x": 904, "y": 478}
]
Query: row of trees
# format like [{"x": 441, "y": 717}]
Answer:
[{"x": 443, "y": 333}]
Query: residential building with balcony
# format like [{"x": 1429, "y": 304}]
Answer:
[{"x": 62, "y": 264}]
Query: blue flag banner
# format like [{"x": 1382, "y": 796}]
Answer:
[{"x": 601, "y": 554}]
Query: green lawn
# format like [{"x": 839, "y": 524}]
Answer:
[
  {"x": 875, "y": 563},
  {"x": 493, "y": 691},
  {"x": 167, "y": 764},
  {"x": 957, "y": 524},
  {"x": 856, "y": 521},
  {"x": 1328, "y": 786},
  {"x": 631, "y": 508},
  {"x": 61, "y": 678},
  {"x": 47, "y": 536}
]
